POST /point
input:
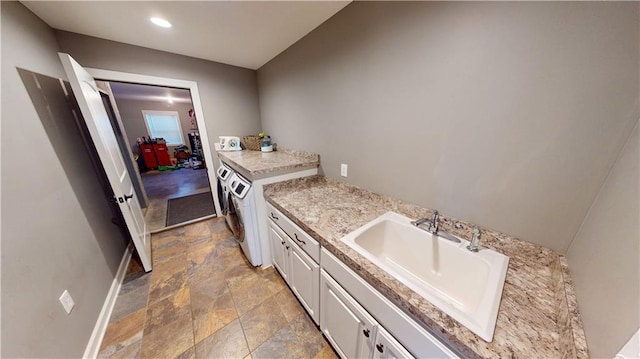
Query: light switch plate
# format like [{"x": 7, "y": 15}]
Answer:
[
  {"x": 67, "y": 301},
  {"x": 343, "y": 170}
]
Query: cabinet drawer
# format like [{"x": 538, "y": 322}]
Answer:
[{"x": 299, "y": 237}]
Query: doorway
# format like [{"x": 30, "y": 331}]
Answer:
[{"x": 158, "y": 133}]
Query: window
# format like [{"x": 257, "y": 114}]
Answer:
[{"x": 164, "y": 124}]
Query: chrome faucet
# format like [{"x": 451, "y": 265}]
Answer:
[
  {"x": 475, "y": 240},
  {"x": 434, "y": 227},
  {"x": 432, "y": 223}
]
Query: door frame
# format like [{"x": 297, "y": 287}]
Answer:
[{"x": 192, "y": 86}]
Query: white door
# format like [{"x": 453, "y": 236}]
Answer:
[
  {"x": 304, "y": 280},
  {"x": 347, "y": 325},
  {"x": 278, "y": 250},
  {"x": 95, "y": 115}
]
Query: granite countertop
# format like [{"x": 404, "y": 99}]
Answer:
[
  {"x": 256, "y": 164},
  {"x": 538, "y": 315}
]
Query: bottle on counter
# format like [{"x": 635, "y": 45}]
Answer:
[{"x": 265, "y": 144}]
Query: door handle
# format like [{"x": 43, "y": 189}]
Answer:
[{"x": 126, "y": 198}]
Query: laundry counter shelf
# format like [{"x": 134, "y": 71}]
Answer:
[{"x": 259, "y": 169}]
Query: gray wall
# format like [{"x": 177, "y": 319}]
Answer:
[
  {"x": 228, "y": 94},
  {"x": 604, "y": 258},
  {"x": 131, "y": 112},
  {"x": 56, "y": 229},
  {"x": 508, "y": 115}
]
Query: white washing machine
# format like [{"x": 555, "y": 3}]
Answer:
[
  {"x": 242, "y": 217},
  {"x": 224, "y": 173}
]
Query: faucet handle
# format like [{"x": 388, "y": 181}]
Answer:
[
  {"x": 475, "y": 240},
  {"x": 419, "y": 222},
  {"x": 434, "y": 225}
]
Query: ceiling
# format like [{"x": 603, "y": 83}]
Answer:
[
  {"x": 241, "y": 33},
  {"x": 127, "y": 91}
]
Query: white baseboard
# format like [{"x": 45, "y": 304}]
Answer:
[{"x": 93, "y": 347}]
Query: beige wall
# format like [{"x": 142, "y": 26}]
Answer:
[
  {"x": 508, "y": 115},
  {"x": 604, "y": 258},
  {"x": 131, "y": 113},
  {"x": 228, "y": 94},
  {"x": 56, "y": 228}
]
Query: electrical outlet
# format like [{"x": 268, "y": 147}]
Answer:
[
  {"x": 67, "y": 301},
  {"x": 343, "y": 170}
]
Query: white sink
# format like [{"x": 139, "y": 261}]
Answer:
[{"x": 465, "y": 285}]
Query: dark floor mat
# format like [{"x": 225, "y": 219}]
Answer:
[{"x": 187, "y": 208}]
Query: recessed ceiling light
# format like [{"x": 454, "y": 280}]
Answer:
[{"x": 160, "y": 22}]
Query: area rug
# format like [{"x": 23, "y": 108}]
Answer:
[{"x": 187, "y": 208}]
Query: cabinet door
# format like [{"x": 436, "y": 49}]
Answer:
[
  {"x": 304, "y": 279},
  {"x": 278, "y": 249},
  {"x": 348, "y": 326},
  {"x": 387, "y": 347}
]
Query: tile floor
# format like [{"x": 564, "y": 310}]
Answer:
[
  {"x": 163, "y": 185},
  {"x": 203, "y": 300}
]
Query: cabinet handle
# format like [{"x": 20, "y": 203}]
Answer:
[
  {"x": 380, "y": 347},
  {"x": 287, "y": 247},
  {"x": 366, "y": 332},
  {"x": 274, "y": 216},
  {"x": 282, "y": 243},
  {"x": 299, "y": 240}
]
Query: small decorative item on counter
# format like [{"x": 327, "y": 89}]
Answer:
[
  {"x": 265, "y": 144},
  {"x": 253, "y": 142}
]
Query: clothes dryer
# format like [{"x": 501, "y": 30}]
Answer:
[
  {"x": 243, "y": 218},
  {"x": 224, "y": 173}
]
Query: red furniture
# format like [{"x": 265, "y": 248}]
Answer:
[
  {"x": 146, "y": 150},
  {"x": 162, "y": 154}
]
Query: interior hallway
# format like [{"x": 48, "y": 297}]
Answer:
[
  {"x": 161, "y": 186},
  {"x": 204, "y": 300}
]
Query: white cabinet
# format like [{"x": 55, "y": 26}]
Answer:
[
  {"x": 387, "y": 347},
  {"x": 304, "y": 276},
  {"x": 278, "y": 249},
  {"x": 347, "y": 326},
  {"x": 358, "y": 321},
  {"x": 352, "y": 331},
  {"x": 297, "y": 268},
  {"x": 396, "y": 334}
]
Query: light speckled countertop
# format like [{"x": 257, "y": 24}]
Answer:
[
  {"x": 538, "y": 316},
  {"x": 255, "y": 165}
]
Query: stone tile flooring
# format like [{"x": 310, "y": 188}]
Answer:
[
  {"x": 161, "y": 186},
  {"x": 204, "y": 300}
]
